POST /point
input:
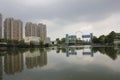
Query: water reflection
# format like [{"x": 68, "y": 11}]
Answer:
[
  {"x": 85, "y": 51},
  {"x": 13, "y": 63},
  {"x": 1, "y": 72},
  {"x": 109, "y": 51},
  {"x": 36, "y": 58},
  {"x": 70, "y": 51},
  {"x": 15, "y": 60},
  {"x": 19, "y": 60},
  {"x": 88, "y": 51}
]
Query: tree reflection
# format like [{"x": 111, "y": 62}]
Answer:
[
  {"x": 109, "y": 51},
  {"x": 32, "y": 50},
  {"x": 15, "y": 58},
  {"x": 58, "y": 50},
  {"x": 63, "y": 50}
]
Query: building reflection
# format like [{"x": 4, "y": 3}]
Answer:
[
  {"x": 85, "y": 51},
  {"x": 111, "y": 52},
  {"x": 36, "y": 58},
  {"x": 1, "y": 72},
  {"x": 88, "y": 51},
  {"x": 13, "y": 63},
  {"x": 70, "y": 51}
]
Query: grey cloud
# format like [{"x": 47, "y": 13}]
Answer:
[
  {"x": 69, "y": 10},
  {"x": 87, "y": 10}
]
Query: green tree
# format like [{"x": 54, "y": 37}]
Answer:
[
  {"x": 58, "y": 41},
  {"x": 47, "y": 44},
  {"x": 102, "y": 39},
  {"x": 63, "y": 40},
  {"x": 32, "y": 43},
  {"x": 41, "y": 43},
  {"x": 110, "y": 37},
  {"x": 21, "y": 43},
  {"x": 95, "y": 40}
]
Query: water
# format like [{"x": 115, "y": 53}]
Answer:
[{"x": 81, "y": 63}]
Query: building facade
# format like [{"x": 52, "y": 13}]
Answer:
[
  {"x": 34, "y": 30},
  {"x": 13, "y": 29},
  {"x": 33, "y": 39},
  {"x": 42, "y": 32},
  {"x": 48, "y": 40},
  {"x": 0, "y": 26},
  {"x": 30, "y": 29}
]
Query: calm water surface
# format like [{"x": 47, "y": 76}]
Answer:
[{"x": 83, "y": 63}]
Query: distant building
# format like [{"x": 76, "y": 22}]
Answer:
[
  {"x": 13, "y": 29},
  {"x": 117, "y": 41},
  {"x": 43, "y": 32},
  {"x": 48, "y": 40},
  {"x": 53, "y": 42},
  {"x": 0, "y": 26},
  {"x": 30, "y": 29},
  {"x": 34, "y": 30}
]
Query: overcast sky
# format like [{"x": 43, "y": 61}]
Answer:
[{"x": 66, "y": 16}]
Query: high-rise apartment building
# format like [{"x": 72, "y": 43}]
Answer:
[
  {"x": 34, "y": 30},
  {"x": 0, "y": 26},
  {"x": 42, "y": 32},
  {"x": 13, "y": 29},
  {"x": 30, "y": 29}
]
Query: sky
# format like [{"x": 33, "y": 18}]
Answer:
[{"x": 66, "y": 16}]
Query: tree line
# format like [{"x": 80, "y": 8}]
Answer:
[
  {"x": 22, "y": 43},
  {"x": 102, "y": 39},
  {"x": 106, "y": 39}
]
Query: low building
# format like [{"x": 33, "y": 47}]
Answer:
[
  {"x": 116, "y": 43},
  {"x": 48, "y": 40},
  {"x": 54, "y": 42},
  {"x": 33, "y": 38}
]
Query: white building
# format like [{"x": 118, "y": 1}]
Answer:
[
  {"x": 48, "y": 40},
  {"x": 33, "y": 38},
  {"x": 116, "y": 43}
]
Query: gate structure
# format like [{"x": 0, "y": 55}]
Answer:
[
  {"x": 74, "y": 38},
  {"x": 90, "y": 36},
  {"x": 71, "y": 37}
]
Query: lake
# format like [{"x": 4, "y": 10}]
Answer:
[{"x": 70, "y": 63}]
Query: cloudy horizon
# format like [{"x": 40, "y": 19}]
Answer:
[{"x": 66, "y": 16}]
